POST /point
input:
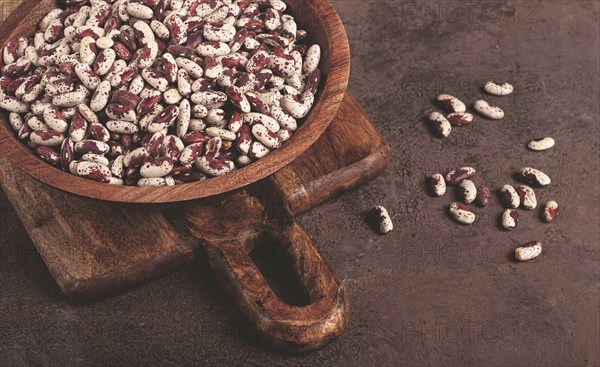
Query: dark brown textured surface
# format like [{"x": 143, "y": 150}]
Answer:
[{"x": 430, "y": 292}]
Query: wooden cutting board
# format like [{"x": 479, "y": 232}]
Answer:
[{"x": 95, "y": 248}]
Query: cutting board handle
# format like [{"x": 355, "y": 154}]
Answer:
[
  {"x": 297, "y": 328},
  {"x": 229, "y": 227}
]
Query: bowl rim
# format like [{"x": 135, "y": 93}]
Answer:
[{"x": 313, "y": 127}]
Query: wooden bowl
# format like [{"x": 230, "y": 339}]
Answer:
[{"x": 324, "y": 27}]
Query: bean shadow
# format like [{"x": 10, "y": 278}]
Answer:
[{"x": 371, "y": 218}]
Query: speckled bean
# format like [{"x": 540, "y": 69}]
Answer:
[
  {"x": 533, "y": 176},
  {"x": 528, "y": 251},
  {"x": 498, "y": 88},
  {"x": 456, "y": 176},
  {"x": 468, "y": 191},
  {"x": 510, "y": 219},
  {"x": 550, "y": 211},
  {"x": 437, "y": 184},
  {"x": 510, "y": 197},
  {"x": 541, "y": 144},
  {"x": 488, "y": 110},
  {"x": 527, "y": 197},
  {"x": 451, "y": 103},
  {"x": 461, "y": 213},
  {"x": 440, "y": 125}
]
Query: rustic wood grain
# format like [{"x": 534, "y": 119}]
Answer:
[
  {"x": 351, "y": 152},
  {"x": 94, "y": 248},
  {"x": 229, "y": 227},
  {"x": 91, "y": 248},
  {"x": 7, "y": 7},
  {"x": 326, "y": 29}
]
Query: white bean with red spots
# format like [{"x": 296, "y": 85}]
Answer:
[
  {"x": 541, "y": 144},
  {"x": 527, "y": 197},
  {"x": 488, "y": 110},
  {"x": 156, "y": 181},
  {"x": 510, "y": 219},
  {"x": 139, "y": 11},
  {"x": 221, "y": 133},
  {"x": 550, "y": 211},
  {"x": 156, "y": 168},
  {"x": 498, "y": 88},
  {"x": 86, "y": 52},
  {"x": 101, "y": 96},
  {"x": 97, "y": 158},
  {"x": 533, "y": 176},
  {"x": 269, "y": 139},
  {"x": 437, "y": 184},
  {"x": 46, "y": 138},
  {"x": 56, "y": 120},
  {"x": 528, "y": 251},
  {"x": 258, "y": 150},
  {"x": 468, "y": 191},
  {"x": 384, "y": 222},
  {"x": 93, "y": 171},
  {"x": 451, "y": 103},
  {"x": 510, "y": 197},
  {"x": 313, "y": 57},
  {"x": 461, "y": 213},
  {"x": 12, "y": 104},
  {"x": 122, "y": 127},
  {"x": 441, "y": 126}
]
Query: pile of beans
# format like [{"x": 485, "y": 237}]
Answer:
[{"x": 159, "y": 92}]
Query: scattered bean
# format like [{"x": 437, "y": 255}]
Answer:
[
  {"x": 468, "y": 191},
  {"x": 550, "y": 211},
  {"x": 510, "y": 218},
  {"x": 528, "y": 251},
  {"x": 541, "y": 144},
  {"x": 533, "y": 176},
  {"x": 527, "y": 197},
  {"x": 440, "y": 124},
  {"x": 383, "y": 219},
  {"x": 489, "y": 110},
  {"x": 460, "y": 118},
  {"x": 483, "y": 196},
  {"x": 498, "y": 88},
  {"x": 437, "y": 184},
  {"x": 455, "y": 177},
  {"x": 451, "y": 103},
  {"x": 461, "y": 213},
  {"x": 510, "y": 197}
]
